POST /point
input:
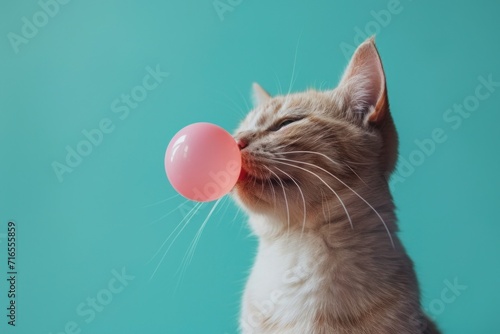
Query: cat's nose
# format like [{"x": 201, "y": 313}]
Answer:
[{"x": 242, "y": 143}]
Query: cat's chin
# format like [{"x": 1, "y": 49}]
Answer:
[
  {"x": 260, "y": 193},
  {"x": 252, "y": 193}
]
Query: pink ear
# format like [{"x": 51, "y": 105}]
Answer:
[{"x": 364, "y": 83}]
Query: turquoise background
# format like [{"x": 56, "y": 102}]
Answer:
[{"x": 115, "y": 209}]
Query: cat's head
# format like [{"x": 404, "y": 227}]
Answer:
[{"x": 308, "y": 148}]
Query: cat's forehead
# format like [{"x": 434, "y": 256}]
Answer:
[{"x": 276, "y": 108}]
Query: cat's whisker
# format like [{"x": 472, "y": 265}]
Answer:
[
  {"x": 238, "y": 211},
  {"x": 330, "y": 159},
  {"x": 200, "y": 230},
  {"x": 272, "y": 189},
  {"x": 354, "y": 172},
  {"x": 227, "y": 204},
  {"x": 321, "y": 179},
  {"x": 290, "y": 143},
  {"x": 278, "y": 85},
  {"x": 292, "y": 78},
  {"x": 236, "y": 214},
  {"x": 301, "y": 194},
  {"x": 162, "y": 201},
  {"x": 244, "y": 100},
  {"x": 302, "y": 152},
  {"x": 325, "y": 215},
  {"x": 282, "y": 147},
  {"x": 261, "y": 188},
  {"x": 188, "y": 257},
  {"x": 169, "y": 213},
  {"x": 239, "y": 109},
  {"x": 285, "y": 197},
  {"x": 348, "y": 187},
  {"x": 186, "y": 219}
]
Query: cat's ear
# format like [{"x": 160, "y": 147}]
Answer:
[
  {"x": 364, "y": 86},
  {"x": 259, "y": 95},
  {"x": 364, "y": 83}
]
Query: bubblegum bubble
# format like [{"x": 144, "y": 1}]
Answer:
[{"x": 203, "y": 162}]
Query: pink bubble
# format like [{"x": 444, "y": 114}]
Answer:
[{"x": 203, "y": 162}]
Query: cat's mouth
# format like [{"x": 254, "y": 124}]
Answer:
[
  {"x": 259, "y": 173},
  {"x": 243, "y": 174},
  {"x": 259, "y": 189},
  {"x": 248, "y": 177}
]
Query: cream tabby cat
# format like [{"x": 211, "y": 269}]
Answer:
[{"x": 315, "y": 188}]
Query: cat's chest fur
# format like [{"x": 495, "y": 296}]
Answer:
[
  {"x": 283, "y": 275},
  {"x": 300, "y": 284}
]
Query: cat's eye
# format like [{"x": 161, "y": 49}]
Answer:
[{"x": 284, "y": 123}]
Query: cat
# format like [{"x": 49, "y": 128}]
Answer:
[{"x": 315, "y": 187}]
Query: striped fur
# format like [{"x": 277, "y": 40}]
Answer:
[{"x": 329, "y": 259}]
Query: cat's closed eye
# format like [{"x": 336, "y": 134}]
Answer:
[{"x": 281, "y": 124}]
